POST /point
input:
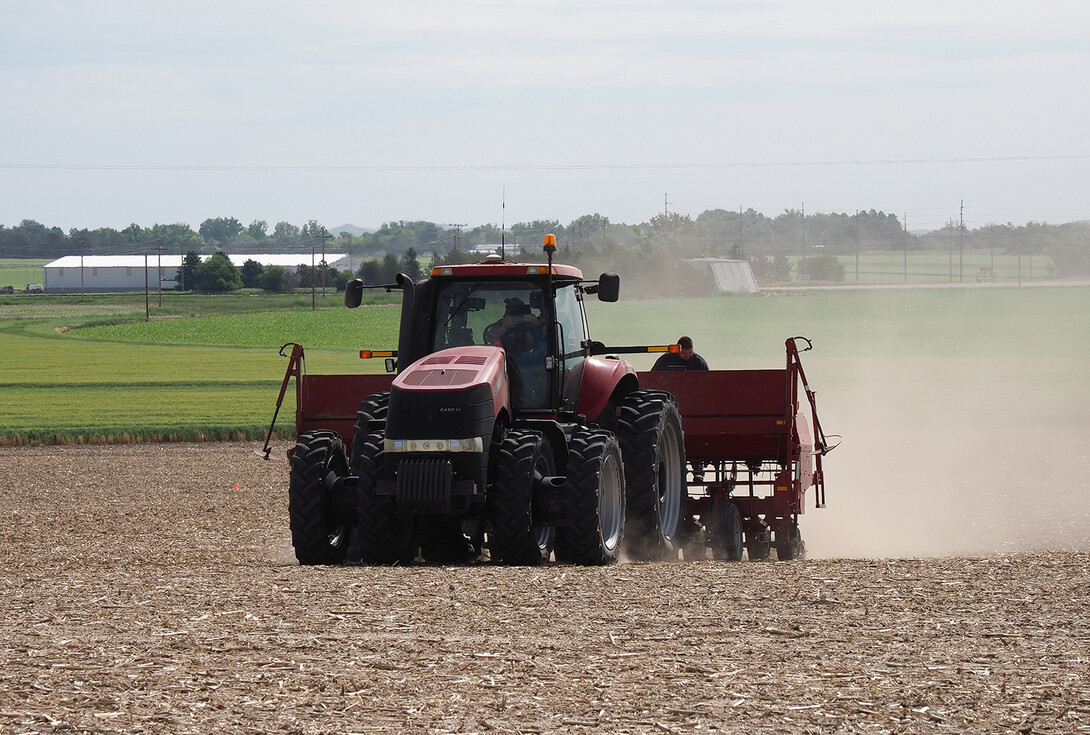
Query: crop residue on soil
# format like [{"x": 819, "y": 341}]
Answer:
[{"x": 143, "y": 592}]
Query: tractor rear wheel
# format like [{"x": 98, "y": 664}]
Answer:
[
  {"x": 319, "y": 523},
  {"x": 726, "y": 533},
  {"x": 382, "y": 536},
  {"x": 649, "y": 430},
  {"x": 594, "y": 500},
  {"x": 524, "y": 459}
]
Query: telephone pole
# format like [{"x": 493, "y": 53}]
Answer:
[
  {"x": 961, "y": 243},
  {"x": 81, "y": 244},
  {"x": 159, "y": 271},
  {"x": 323, "y": 237},
  {"x": 457, "y": 233}
]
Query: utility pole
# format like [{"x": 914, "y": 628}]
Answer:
[
  {"x": 81, "y": 244},
  {"x": 313, "y": 300},
  {"x": 906, "y": 247},
  {"x": 857, "y": 244},
  {"x": 803, "y": 232},
  {"x": 457, "y": 233},
  {"x": 740, "y": 228},
  {"x": 323, "y": 237},
  {"x": 159, "y": 270},
  {"x": 665, "y": 205},
  {"x": 961, "y": 243},
  {"x": 147, "y": 292}
]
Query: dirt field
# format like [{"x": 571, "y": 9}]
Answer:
[{"x": 144, "y": 592}]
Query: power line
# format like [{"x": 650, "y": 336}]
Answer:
[{"x": 537, "y": 167}]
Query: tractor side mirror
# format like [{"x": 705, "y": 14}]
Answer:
[
  {"x": 609, "y": 287},
  {"x": 353, "y": 293}
]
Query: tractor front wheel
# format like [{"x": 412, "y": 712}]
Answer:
[
  {"x": 594, "y": 500},
  {"x": 383, "y": 537},
  {"x": 319, "y": 521},
  {"x": 524, "y": 459}
]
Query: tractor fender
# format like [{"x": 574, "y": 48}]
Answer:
[{"x": 600, "y": 380}]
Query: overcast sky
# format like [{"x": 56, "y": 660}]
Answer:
[{"x": 365, "y": 111}]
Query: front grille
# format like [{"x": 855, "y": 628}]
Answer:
[{"x": 425, "y": 486}]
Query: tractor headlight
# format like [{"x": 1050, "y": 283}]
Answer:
[{"x": 473, "y": 444}]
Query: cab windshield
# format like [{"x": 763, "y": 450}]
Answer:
[{"x": 507, "y": 314}]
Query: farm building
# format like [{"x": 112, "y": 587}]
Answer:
[
  {"x": 730, "y": 275},
  {"x": 102, "y": 273}
]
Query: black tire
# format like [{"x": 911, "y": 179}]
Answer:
[
  {"x": 653, "y": 447},
  {"x": 372, "y": 408},
  {"x": 524, "y": 458},
  {"x": 594, "y": 500},
  {"x": 382, "y": 536},
  {"x": 789, "y": 545},
  {"x": 319, "y": 526},
  {"x": 726, "y": 533}
]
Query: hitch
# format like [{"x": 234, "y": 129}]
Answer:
[{"x": 295, "y": 368}]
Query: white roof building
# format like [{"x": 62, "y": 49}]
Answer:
[{"x": 103, "y": 273}]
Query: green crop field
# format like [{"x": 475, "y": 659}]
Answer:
[
  {"x": 96, "y": 370},
  {"x": 934, "y": 266},
  {"x": 18, "y": 272}
]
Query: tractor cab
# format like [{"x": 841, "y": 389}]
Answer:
[{"x": 534, "y": 312}]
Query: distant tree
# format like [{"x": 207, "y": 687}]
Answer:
[
  {"x": 822, "y": 268},
  {"x": 174, "y": 236},
  {"x": 258, "y": 229},
  {"x": 276, "y": 279},
  {"x": 187, "y": 278},
  {"x": 133, "y": 233},
  {"x": 370, "y": 272},
  {"x": 217, "y": 275},
  {"x": 410, "y": 264},
  {"x": 220, "y": 229},
  {"x": 285, "y": 232},
  {"x": 250, "y": 273},
  {"x": 1070, "y": 250},
  {"x": 390, "y": 268},
  {"x": 312, "y": 230},
  {"x": 340, "y": 279}
]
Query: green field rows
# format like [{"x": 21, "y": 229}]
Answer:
[
  {"x": 81, "y": 372},
  {"x": 932, "y": 266}
]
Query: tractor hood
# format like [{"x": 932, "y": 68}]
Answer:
[{"x": 456, "y": 369}]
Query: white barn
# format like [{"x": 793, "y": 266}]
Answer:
[{"x": 105, "y": 273}]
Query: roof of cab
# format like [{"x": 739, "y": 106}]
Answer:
[{"x": 504, "y": 269}]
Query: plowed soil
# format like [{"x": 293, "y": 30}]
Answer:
[{"x": 153, "y": 589}]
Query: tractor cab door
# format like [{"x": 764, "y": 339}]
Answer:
[{"x": 572, "y": 333}]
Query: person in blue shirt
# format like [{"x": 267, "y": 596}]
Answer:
[{"x": 686, "y": 359}]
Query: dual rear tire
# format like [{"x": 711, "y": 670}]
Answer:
[{"x": 649, "y": 429}]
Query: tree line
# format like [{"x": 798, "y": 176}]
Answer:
[{"x": 767, "y": 242}]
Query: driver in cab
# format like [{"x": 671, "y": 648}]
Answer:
[{"x": 516, "y": 331}]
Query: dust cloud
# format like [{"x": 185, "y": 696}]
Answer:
[{"x": 952, "y": 456}]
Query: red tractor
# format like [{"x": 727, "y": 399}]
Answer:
[
  {"x": 507, "y": 426},
  {"x": 503, "y": 427}
]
